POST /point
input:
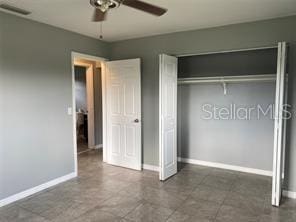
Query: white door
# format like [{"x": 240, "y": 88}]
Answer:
[
  {"x": 168, "y": 77},
  {"x": 279, "y": 128},
  {"x": 123, "y": 101}
]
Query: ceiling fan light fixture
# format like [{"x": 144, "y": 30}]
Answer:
[{"x": 104, "y": 5}]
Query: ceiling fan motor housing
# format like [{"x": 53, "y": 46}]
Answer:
[{"x": 104, "y": 5}]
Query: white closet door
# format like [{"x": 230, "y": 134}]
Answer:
[
  {"x": 168, "y": 116},
  {"x": 279, "y": 127},
  {"x": 123, "y": 100}
]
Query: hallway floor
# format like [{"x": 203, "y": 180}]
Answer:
[
  {"x": 107, "y": 193},
  {"x": 82, "y": 145}
]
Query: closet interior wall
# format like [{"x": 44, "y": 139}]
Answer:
[{"x": 229, "y": 141}]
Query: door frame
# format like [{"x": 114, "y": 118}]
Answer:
[
  {"x": 89, "y": 100},
  {"x": 72, "y": 110}
]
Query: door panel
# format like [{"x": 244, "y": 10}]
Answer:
[
  {"x": 115, "y": 142},
  {"x": 168, "y": 116},
  {"x": 279, "y": 127},
  {"x": 123, "y": 93}
]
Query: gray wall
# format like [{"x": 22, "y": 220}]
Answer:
[
  {"x": 98, "y": 107},
  {"x": 234, "y": 141},
  {"x": 237, "y": 142},
  {"x": 251, "y": 62},
  {"x": 36, "y": 141},
  {"x": 80, "y": 88},
  {"x": 255, "y": 34}
]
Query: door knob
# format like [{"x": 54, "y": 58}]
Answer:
[{"x": 136, "y": 120}]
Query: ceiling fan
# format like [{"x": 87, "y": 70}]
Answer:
[{"x": 102, "y": 7}]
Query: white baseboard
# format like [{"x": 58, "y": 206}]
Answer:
[
  {"x": 99, "y": 146},
  {"x": 226, "y": 166},
  {"x": 289, "y": 194},
  {"x": 150, "y": 167},
  {"x": 36, "y": 189}
]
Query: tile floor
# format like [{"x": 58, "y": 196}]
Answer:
[
  {"x": 107, "y": 193},
  {"x": 82, "y": 145}
]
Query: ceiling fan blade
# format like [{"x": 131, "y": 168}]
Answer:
[
  {"x": 146, "y": 7},
  {"x": 99, "y": 16}
]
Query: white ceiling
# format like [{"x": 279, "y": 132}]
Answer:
[{"x": 126, "y": 23}]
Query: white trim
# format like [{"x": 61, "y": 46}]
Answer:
[
  {"x": 99, "y": 146},
  {"x": 104, "y": 110},
  {"x": 84, "y": 151},
  {"x": 87, "y": 57},
  {"x": 160, "y": 150},
  {"x": 90, "y": 98},
  {"x": 289, "y": 194},
  {"x": 226, "y": 166},
  {"x": 36, "y": 189},
  {"x": 150, "y": 167},
  {"x": 74, "y": 120}
]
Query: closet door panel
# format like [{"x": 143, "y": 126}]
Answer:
[
  {"x": 279, "y": 127},
  {"x": 168, "y": 116}
]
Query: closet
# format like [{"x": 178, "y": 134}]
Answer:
[{"x": 224, "y": 109}]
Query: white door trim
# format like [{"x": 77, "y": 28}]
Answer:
[
  {"x": 76, "y": 55},
  {"x": 89, "y": 100}
]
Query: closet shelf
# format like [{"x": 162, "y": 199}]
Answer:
[{"x": 228, "y": 79}]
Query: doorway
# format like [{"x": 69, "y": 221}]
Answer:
[
  {"x": 88, "y": 109},
  {"x": 113, "y": 116}
]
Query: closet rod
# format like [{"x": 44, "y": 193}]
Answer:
[{"x": 228, "y": 79}]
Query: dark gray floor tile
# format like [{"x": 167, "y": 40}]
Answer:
[
  {"x": 288, "y": 204},
  {"x": 181, "y": 217},
  {"x": 184, "y": 182},
  {"x": 164, "y": 198},
  {"x": 231, "y": 214},
  {"x": 194, "y": 169},
  {"x": 73, "y": 212},
  {"x": 120, "y": 205},
  {"x": 254, "y": 205},
  {"x": 251, "y": 188},
  {"x": 255, "y": 178},
  {"x": 18, "y": 214},
  {"x": 199, "y": 208},
  {"x": 203, "y": 192},
  {"x": 218, "y": 182},
  {"x": 228, "y": 174},
  {"x": 97, "y": 215},
  {"x": 149, "y": 213},
  {"x": 41, "y": 202}
]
